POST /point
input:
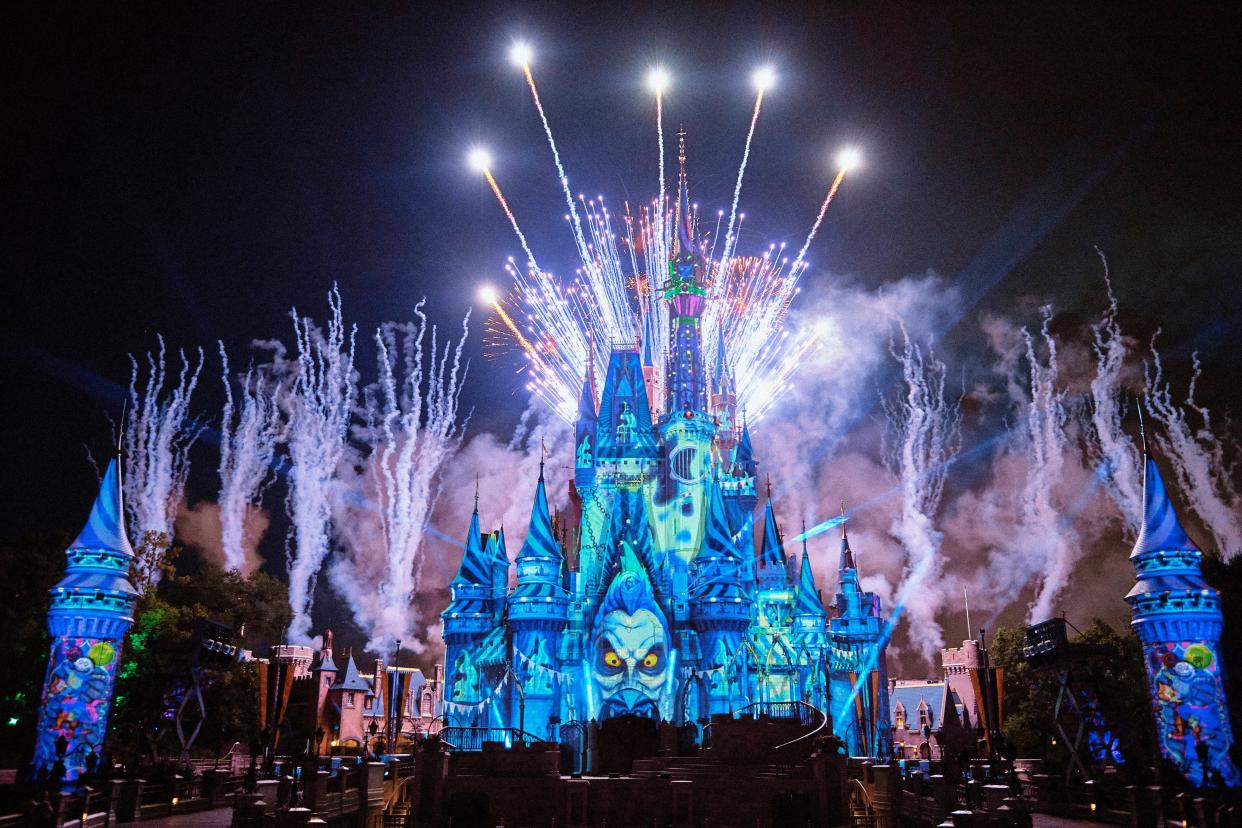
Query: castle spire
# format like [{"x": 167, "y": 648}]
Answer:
[
  {"x": 474, "y": 567},
  {"x": 809, "y": 601},
  {"x": 1161, "y": 530},
  {"x": 773, "y": 551}
]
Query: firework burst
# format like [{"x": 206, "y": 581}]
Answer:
[{"x": 561, "y": 327}]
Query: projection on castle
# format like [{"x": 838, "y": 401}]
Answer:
[{"x": 660, "y": 593}]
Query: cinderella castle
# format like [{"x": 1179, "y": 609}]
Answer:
[{"x": 660, "y": 592}]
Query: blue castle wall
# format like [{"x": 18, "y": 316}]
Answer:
[{"x": 653, "y": 603}]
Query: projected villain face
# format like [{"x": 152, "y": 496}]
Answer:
[{"x": 630, "y": 650}]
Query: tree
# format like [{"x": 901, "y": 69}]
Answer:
[
  {"x": 155, "y": 671},
  {"x": 29, "y": 568},
  {"x": 1112, "y": 672}
]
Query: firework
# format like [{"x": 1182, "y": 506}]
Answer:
[{"x": 562, "y": 326}]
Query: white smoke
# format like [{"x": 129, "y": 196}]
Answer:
[
  {"x": 1051, "y": 543},
  {"x": 319, "y": 409},
  {"x": 924, "y": 431},
  {"x": 1197, "y": 455},
  {"x": 411, "y": 432},
  {"x": 158, "y": 437},
  {"x": 1108, "y": 441},
  {"x": 247, "y": 448}
]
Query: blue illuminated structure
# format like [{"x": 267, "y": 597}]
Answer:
[
  {"x": 1178, "y": 618},
  {"x": 658, "y": 594},
  {"x": 91, "y": 609}
]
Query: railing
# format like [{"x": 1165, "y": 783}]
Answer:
[
  {"x": 785, "y": 711},
  {"x": 472, "y": 739}
]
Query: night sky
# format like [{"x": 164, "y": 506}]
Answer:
[{"x": 197, "y": 173}]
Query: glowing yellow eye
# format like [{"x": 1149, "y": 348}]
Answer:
[
  {"x": 651, "y": 660},
  {"x": 612, "y": 659}
]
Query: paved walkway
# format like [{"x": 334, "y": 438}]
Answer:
[
  {"x": 1047, "y": 821},
  {"x": 218, "y": 818}
]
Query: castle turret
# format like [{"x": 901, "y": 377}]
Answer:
[
  {"x": 686, "y": 294},
  {"x": 324, "y": 670},
  {"x": 1177, "y": 616},
  {"x": 810, "y": 631},
  {"x": 720, "y": 606},
  {"x": 346, "y": 701},
  {"x": 860, "y": 671},
  {"x": 468, "y": 618},
  {"x": 584, "y": 429},
  {"x": 92, "y": 607},
  {"x": 773, "y": 568},
  {"x": 538, "y": 611}
]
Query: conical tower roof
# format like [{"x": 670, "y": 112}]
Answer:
[
  {"x": 773, "y": 551},
  {"x": 105, "y": 528},
  {"x": 809, "y": 602},
  {"x": 351, "y": 679},
  {"x": 540, "y": 543},
  {"x": 718, "y": 542},
  {"x": 1161, "y": 530},
  {"x": 475, "y": 567}
]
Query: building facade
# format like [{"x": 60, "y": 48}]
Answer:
[{"x": 658, "y": 593}]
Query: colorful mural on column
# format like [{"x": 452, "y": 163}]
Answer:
[
  {"x": 91, "y": 609},
  {"x": 1178, "y": 618}
]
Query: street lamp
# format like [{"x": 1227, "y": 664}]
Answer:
[{"x": 373, "y": 728}]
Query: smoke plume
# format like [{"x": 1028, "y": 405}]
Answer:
[
  {"x": 411, "y": 431},
  {"x": 247, "y": 448},
  {"x": 158, "y": 438},
  {"x": 1197, "y": 455},
  {"x": 319, "y": 407},
  {"x": 924, "y": 430}
]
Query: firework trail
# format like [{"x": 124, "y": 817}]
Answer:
[
  {"x": 1108, "y": 440},
  {"x": 613, "y": 298},
  {"x": 1052, "y": 544},
  {"x": 922, "y": 439},
  {"x": 1197, "y": 456},
  {"x": 158, "y": 438},
  {"x": 320, "y": 403},
  {"x": 504, "y": 205},
  {"x": 247, "y": 446},
  {"x": 411, "y": 432},
  {"x": 819, "y": 219},
  {"x": 730, "y": 242}
]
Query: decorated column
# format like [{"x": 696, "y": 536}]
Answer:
[
  {"x": 1177, "y": 616},
  {"x": 92, "y": 608}
]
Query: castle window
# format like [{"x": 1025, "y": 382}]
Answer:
[
  {"x": 924, "y": 716},
  {"x": 349, "y": 699},
  {"x": 900, "y": 713}
]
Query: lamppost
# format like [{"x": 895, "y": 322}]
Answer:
[
  {"x": 373, "y": 728},
  {"x": 252, "y": 775}
]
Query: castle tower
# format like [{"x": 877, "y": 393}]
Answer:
[
  {"x": 859, "y": 672},
  {"x": 724, "y": 402},
  {"x": 810, "y": 631},
  {"x": 346, "y": 700},
  {"x": 324, "y": 671},
  {"x": 584, "y": 431},
  {"x": 1177, "y": 616},
  {"x": 773, "y": 568},
  {"x": 720, "y": 607},
  {"x": 538, "y": 611},
  {"x": 686, "y": 294},
  {"x": 498, "y": 556},
  {"x": 91, "y": 609},
  {"x": 466, "y": 620}
]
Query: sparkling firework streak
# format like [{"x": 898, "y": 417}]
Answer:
[
  {"x": 563, "y": 326},
  {"x": 763, "y": 78}
]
